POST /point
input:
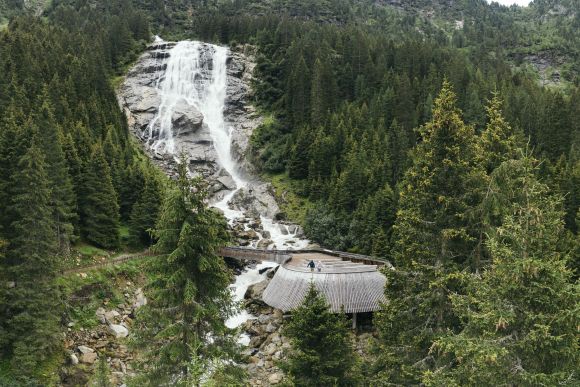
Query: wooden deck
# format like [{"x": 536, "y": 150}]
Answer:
[
  {"x": 350, "y": 282},
  {"x": 348, "y": 286}
]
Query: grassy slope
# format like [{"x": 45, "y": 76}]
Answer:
[{"x": 294, "y": 206}]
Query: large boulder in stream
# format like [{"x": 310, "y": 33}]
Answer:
[
  {"x": 255, "y": 291},
  {"x": 185, "y": 118}
]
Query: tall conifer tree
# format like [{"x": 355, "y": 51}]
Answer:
[
  {"x": 32, "y": 318},
  {"x": 146, "y": 211},
  {"x": 323, "y": 91},
  {"x": 522, "y": 313},
  {"x": 322, "y": 353},
  {"x": 98, "y": 202},
  {"x": 498, "y": 142},
  {"x": 62, "y": 196},
  {"x": 299, "y": 89},
  {"x": 433, "y": 241},
  {"x": 183, "y": 323}
]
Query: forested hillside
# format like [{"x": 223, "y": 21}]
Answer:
[
  {"x": 68, "y": 169},
  {"x": 347, "y": 96},
  {"x": 441, "y": 136}
]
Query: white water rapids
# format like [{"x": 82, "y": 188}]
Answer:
[{"x": 197, "y": 73}]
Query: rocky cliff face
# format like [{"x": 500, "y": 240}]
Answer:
[
  {"x": 165, "y": 96},
  {"x": 141, "y": 100}
]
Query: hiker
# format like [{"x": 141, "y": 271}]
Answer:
[
  {"x": 319, "y": 266},
  {"x": 311, "y": 265}
]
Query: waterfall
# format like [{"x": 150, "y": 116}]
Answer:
[{"x": 196, "y": 76}]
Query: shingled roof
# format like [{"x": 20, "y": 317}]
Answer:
[{"x": 345, "y": 284}]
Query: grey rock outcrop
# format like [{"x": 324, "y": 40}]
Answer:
[
  {"x": 185, "y": 119},
  {"x": 140, "y": 98}
]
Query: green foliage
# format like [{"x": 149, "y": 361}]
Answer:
[
  {"x": 62, "y": 195},
  {"x": 521, "y": 314},
  {"x": 145, "y": 211},
  {"x": 327, "y": 228},
  {"x": 98, "y": 202},
  {"x": 294, "y": 206},
  {"x": 102, "y": 375},
  {"x": 434, "y": 240},
  {"x": 84, "y": 295},
  {"x": 322, "y": 352},
  {"x": 31, "y": 306},
  {"x": 498, "y": 142},
  {"x": 267, "y": 146},
  {"x": 189, "y": 294},
  {"x": 64, "y": 157}
]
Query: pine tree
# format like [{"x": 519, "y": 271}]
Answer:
[
  {"x": 32, "y": 317},
  {"x": 62, "y": 194},
  {"x": 322, "y": 353},
  {"x": 522, "y": 313},
  {"x": 189, "y": 295},
  {"x": 498, "y": 142},
  {"x": 299, "y": 93},
  {"x": 398, "y": 145},
  {"x": 146, "y": 211},
  {"x": 433, "y": 241},
  {"x": 15, "y": 138},
  {"x": 98, "y": 202},
  {"x": 372, "y": 221},
  {"x": 323, "y": 92},
  {"x": 300, "y": 154}
]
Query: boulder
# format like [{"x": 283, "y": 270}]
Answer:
[
  {"x": 264, "y": 243},
  {"x": 275, "y": 378},
  {"x": 74, "y": 359},
  {"x": 256, "y": 341},
  {"x": 270, "y": 349},
  {"x": 89, "y": 358},
  {"x": 144, "y": 100},
  {"x": 185, "y": 118},
  {"x": 275, "y": 338},
  {"x": 118, "y": 331},
  {"x": 255, "y": 291},
  {"x": 227, "y": 182},
  {"x": 101, "y": 315},
  {"x": 263, "y": 318},
  {"x": 263, "y": 270},
  {"x": 283, "y": 229},
  {"x": 111, "y": 315},
  {"x": 84, "y": 349},
  {"x": 249, "y": 234}
]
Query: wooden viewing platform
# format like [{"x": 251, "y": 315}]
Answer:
[{"x": 351, "y": 283}]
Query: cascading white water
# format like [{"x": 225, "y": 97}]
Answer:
[{"x": 196, "y": 75}]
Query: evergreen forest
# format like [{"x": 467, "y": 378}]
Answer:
[{"x": 442, "y": 137}]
